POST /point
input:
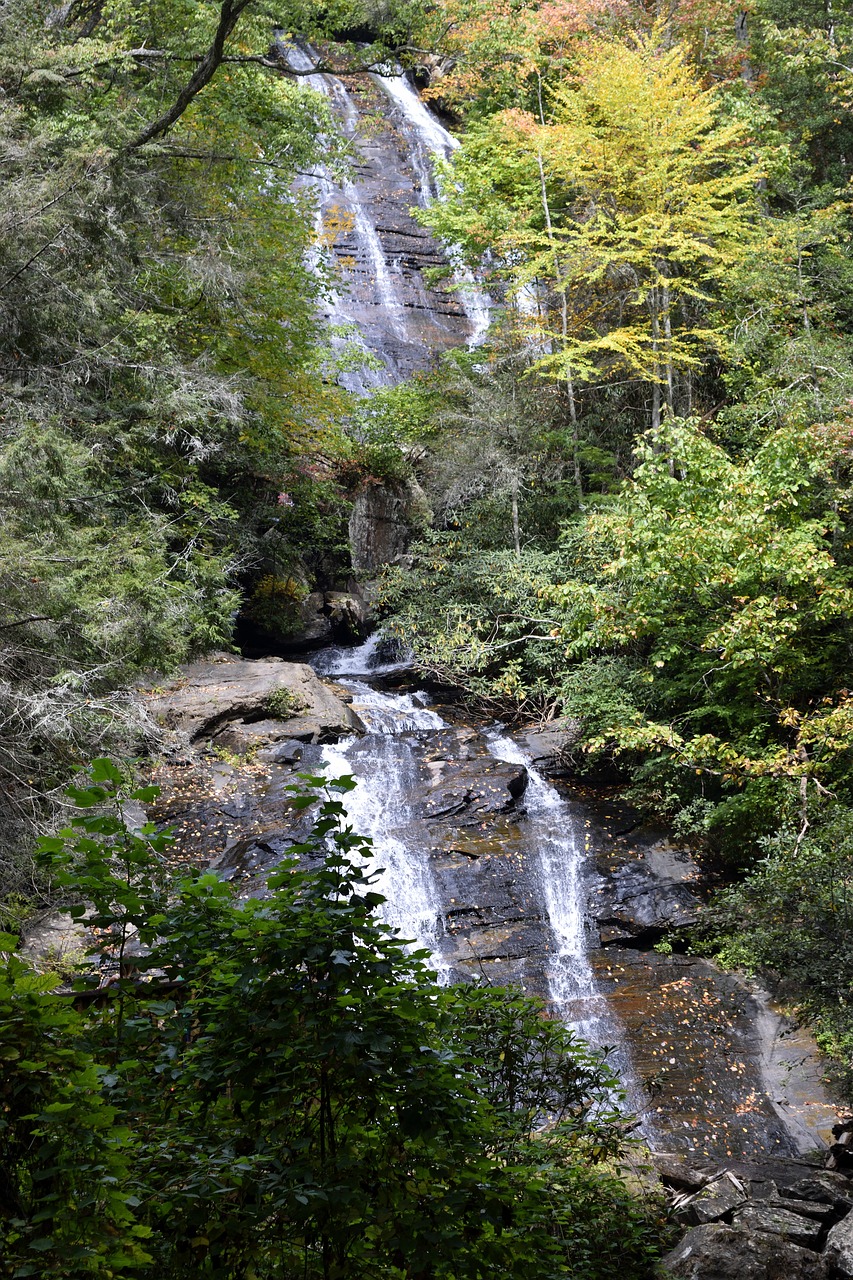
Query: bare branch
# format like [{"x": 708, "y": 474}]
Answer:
[{"x": 23, "y": 622}]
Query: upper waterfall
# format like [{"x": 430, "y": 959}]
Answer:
[{"x": 364, "y": 225}]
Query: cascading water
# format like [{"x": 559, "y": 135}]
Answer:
[
  {"x": 338, "y": 204},
  {"x": 386, "y": 765},
  {"x": 430, "y": 139},
  {"x": 550, "y": 829},
  {"x": 552, "y": 832},
  {"x": 365, "y": 229},
  {"x": 388, "y": 762}
]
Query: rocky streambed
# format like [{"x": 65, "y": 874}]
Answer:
[{"x": 512, "y": 876}]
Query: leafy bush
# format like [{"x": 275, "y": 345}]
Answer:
[
  {"x": 300, "y": 1098},
  {"x": 793, "y": 916}
]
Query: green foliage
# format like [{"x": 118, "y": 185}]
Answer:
[
  {"x": 112, "y": 873},
  {"x": 162, "y": 368},
  {"x": 721, "y": 575},
  {"x": 284, "y": 703},
  {"x": 473, "y": 618},
  {"x": 67, "y": 1203},
  {"x": 792, "y": 916},
  {"x": 303, "y": 1100}
]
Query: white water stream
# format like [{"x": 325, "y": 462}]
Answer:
[
  {"x": 339, "y": 202},
  {"x": 555, "y": 837},
  {"x": 344, "y": 213},
  {"x": 387, "y": 763},
  {"x": 388, "y": 775},
  {"x": 430, "y": 139}
]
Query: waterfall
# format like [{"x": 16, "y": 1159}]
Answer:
[
  {"x": 365, "y": 230},
  {"x": 552, "y": 833},
  {"x": 430, "y": 139},
  {"x": 339, "y": 203},
  {"x": 367, "y": 659},
  {"x": 388, "y": 772},
  {"x": 387, "y": 762}
]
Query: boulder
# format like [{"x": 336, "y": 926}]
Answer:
[
  {"x": 383, "y": 521},
  {"x": 839, "y": 1248},
  {"x": 779, "y": 1222},
  {"x": 243, "y": 704},
  {"x": 713, "y": 1202},
  {"x": 718, "y": 1252},
  {"x": 548, "y": 747},
  {"x": 287, "y": 752},
  {"x": 56, "y": 941},
  {"x": 805, "y": 1208},
  {"x": 472, "y": 788},
  {"x": 314, "y": 625},
  {"x": 841, "y": 1151},
  {"x": 826, "y": 1188},
  {"x": 680, "y": 1171}
]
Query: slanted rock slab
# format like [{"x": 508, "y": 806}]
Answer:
[
  {"x": 471, "y": 790},
  {"x": 772, "y": 1221},
  {"x": 714, "y": 1201},
  {"x": 255, "y": 701},
  {"x": 824, "y": 1187}
]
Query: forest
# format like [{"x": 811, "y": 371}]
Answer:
[{"x": 640, "y": 526}]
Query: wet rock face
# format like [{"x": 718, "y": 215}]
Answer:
[
  {"x": 403, "y": 321},
  {"x": 549, "y": 748},
  {"x": 378, "y": 253},
  {"x": 472, "y": 788},
  {"x": 716, "y": 1072}
]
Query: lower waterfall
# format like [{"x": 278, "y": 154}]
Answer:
[
  {"x": 388, "y": 764},
  {"x": 498, "y": 872},
  {"x": 386, "y": 767},
  {"x": 554, "y": 835}
]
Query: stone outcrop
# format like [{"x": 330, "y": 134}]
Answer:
[
  {"x": 718, "y": 1252},
  {"x": 651, "y": 893},
  {"x": 239, "y": 705},
  {"x": 839, "y": 1248},
  {"x": 759, "y": 1221},
  {"x": 383, "y": 521},
  {"x": 549, "y": 747},
  {"x": 474, "y": 789}
]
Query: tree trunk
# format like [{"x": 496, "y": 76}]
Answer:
[
  {"x": 564, "y": 316},
  {"x": 516, "y": 527},
  {"x": 653, "y": 302},
  {"x": 667, "y": 331}
]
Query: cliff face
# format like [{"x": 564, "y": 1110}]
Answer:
[{"x": 366, "y": 232}]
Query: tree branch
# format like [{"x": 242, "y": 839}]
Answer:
[
  {"x": 278, "y": 63},
  {"x": 23, "y": 622},
  {"x": 229, "y": 16}
]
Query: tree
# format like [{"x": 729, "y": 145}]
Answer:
[
  {"x": 719, "y": 586},
  {"x": 161, "y": 367},
  {"x": 66, "y": 1203},
  {"x": 643, "y": 209}
]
